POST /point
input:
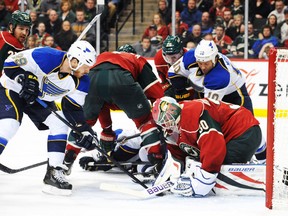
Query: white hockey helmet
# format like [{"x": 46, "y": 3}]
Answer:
[
  {"x": 206, "y": 51},
  {"x": 84, "y": 52}
]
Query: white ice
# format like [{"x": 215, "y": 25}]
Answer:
[{"x": 20, "y": 194}]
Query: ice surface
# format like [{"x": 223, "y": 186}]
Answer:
[{"x": 20, "y": 194}]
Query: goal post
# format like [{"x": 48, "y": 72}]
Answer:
[{"x": 277, "y": 130}]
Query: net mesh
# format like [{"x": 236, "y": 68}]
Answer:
[{"x": 280, "y": 183}]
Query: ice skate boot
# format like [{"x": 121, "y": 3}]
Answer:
[{"x": 55, "y": 181}]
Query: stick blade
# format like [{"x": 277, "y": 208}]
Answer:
[{"x": 117, "y": 188}]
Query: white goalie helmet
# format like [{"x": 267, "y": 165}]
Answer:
[
  {"x": 166, "y": 113},
  {"x": 206, "y": 51},
  {"x": 84, "y": 52}
]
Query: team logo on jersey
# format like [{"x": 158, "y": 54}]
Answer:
[
  {"x": 49, "y": 88},
  {"x": 190, "y": 150}
]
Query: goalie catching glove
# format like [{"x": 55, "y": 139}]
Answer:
[
  {"x": 30, "y": 87},
  {"x": 195, "y": 181}
]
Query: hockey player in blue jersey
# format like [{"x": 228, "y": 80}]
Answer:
[
  {"x": 47, "y": 74},
  {"x": 212, "y": 75}
]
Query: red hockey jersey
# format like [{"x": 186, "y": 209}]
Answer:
[{"x": 207, "y": 126}]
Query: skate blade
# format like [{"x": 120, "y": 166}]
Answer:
[{"x": 48, "y": 189}]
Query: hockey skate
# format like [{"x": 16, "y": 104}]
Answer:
[
  {"x": 69, "y": 159},
  {"x": 55, "y": 181}
]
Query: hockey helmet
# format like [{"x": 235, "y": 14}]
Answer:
[
  {"x": 126, "y": 48},
  {"x": 172, "y": 45},
  {"x": 20, "y": 18},
  {"x": 166, "y": 113},
  {"x": 206, "y": 51},
  {"x": 84, "y": 52}
]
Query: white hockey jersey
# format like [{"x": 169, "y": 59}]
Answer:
[
  {"x": 222, "y": 80},
  {"x": 45, "y": 63}
]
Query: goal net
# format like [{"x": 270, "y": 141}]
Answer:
[{"x": 277, "y": 130}]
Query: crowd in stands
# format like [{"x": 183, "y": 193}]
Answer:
[
  {"x": 64, "y": 20},
  {"x": 58, "y": 23},
  {"x": 223, "y": 20}
]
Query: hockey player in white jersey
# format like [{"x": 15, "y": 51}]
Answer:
[
  {"x": 212, "y": 75},
  {"x": 47, "y": 74}
]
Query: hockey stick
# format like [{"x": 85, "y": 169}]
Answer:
[
  {"x": 149, "y": 192},
  {"x": 88, "y": 27},
  {"x": 42, "y": 103},
  {"x": 124, "y": 139},
  {"x": 12, "y": 171}
]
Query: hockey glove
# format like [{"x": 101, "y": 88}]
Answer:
[
  {"x": 195, "y": 182},
  {"x": 90, "y": 164},
  {"x": 30, "y": 87},
  {"x": 86, "y": 139},
  {"x": 108, "y": 140}
]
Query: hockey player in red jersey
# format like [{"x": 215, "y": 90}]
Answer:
[
  {"x": 12, "y": 41},
  {"x": 172, "y": 50},
  {"x": 212, "y": 133},
  {"x": 121, "y": 81}
]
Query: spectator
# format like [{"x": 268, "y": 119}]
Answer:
[
  {"x": 279, "y": 11},
  {"x": 272, "y": 21},
  {"x": 53, "y": 25},
  {"x": 217, "y": 10},
  {"x": 190, "y": 45},
  {"x": 222, "y": 40},
  {"x": 190, "y": 14},
  {"x": 206, "y": 24},
  {"x": 31, "y": 42},
  {"x": 164, "y": 11},
  {"x": 11, "y": 5},
  {"x": 259, "y": 9},
  {"x": 25, "y": 6},
  {"x": 66, "y": 37},
  {"x": 180, "y": 26},
  {"x": 238, "y": 45},
  {"x": 66, "y": 12},
  {"x": 78, "y": 4},
  {"x": 80, "y": 24},
  {"x": 144, "y": 48},
  {"x": 49, "y": 41},
  {"x": 284, "y": 28},
  {"x": 5, "y": 16},
  {"x": 90, "y": 10},
  {"x": 237, "y": 8},
  {"x": 264, "y": 52},
  {"x": 195, "y": 36},
  {"x": 162, "y": 29},
  {"x": 234, "y": 30},
  {"x": 228, "y": 20},
  {"x": 204, "y": 5},
  {"x": 112, "y": 7},
  {"x": 41, "y": 34},
  {"x": 46, "y": 6},
  {"x": 267, "y": 38},
  {"x": 34, "y": 20},
  {"x": 34, "y": 6}
]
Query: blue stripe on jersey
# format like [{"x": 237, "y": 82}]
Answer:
[
  {"x": 48, "y": 59},
  {"x": 189, "y": 59},
  {"x": 10, "y": 64},
  {"x": 84, "y": 84},
  {"x": 217, "y": 78}
]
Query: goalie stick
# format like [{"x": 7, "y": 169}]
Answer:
[
  {"x": 12, "y": 171},
  {"x": 149, "y": 192},
  {"x": 243, "y": 179}
]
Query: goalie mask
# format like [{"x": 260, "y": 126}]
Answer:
[{"x": 166, "y": 113}]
